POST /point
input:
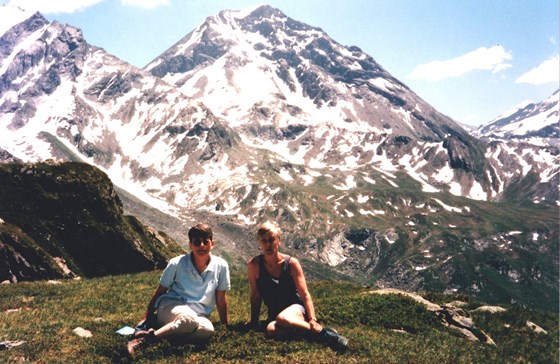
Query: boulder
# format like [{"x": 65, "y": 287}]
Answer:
[{"x": 452, "y": 317}]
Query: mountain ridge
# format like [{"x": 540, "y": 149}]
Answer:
[
  {"x": 285, "y": 42},
  {"x": 361, "y": 192},
  {"x": 535, "y": 122}
]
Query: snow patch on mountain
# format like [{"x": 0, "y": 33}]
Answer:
[{"x": 535, "y": 123}]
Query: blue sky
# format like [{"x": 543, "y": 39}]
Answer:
[{"x": 472, "y": 60}]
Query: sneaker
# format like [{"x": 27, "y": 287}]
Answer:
[
  {"x": 334, "y": 340},
  {"x": 141, "y": 342}
]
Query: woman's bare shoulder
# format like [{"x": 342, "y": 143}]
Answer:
[
  {"x": 294, "y": 263},
  {"x": 253, "y": 262}
]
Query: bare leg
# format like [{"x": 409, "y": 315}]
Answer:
[{"x": 291, "y": 318}]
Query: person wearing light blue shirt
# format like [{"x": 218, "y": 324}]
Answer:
[{"x": 189, "y": 288}]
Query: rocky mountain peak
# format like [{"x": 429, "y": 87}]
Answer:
[
  {"x": 263, "y": 68},
  {"x": 53, "y": 52},
  {"x": 534, "y": 122},
  {"x": 266, "y": 12},
  {"x": 272, "y": 23},
  {"x": 289, "y": 88}
]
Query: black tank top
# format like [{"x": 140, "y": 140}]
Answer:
[{"x": 277, "y": 294}]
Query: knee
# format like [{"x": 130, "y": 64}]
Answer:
[
  {"x": 273, "y": 330},
  {"x": 271, "y": 327},
  {"x": 283, "y": 319},
  {"x": 202, "y": 329},
  {"x": 185, "y": 324},
  {"x": 204, "y": 332}
]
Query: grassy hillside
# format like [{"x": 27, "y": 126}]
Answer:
[{"x": 43, "y": 314}]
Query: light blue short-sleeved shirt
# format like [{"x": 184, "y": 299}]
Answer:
[{"x": 198, "y": 290}]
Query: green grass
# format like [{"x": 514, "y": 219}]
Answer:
[{"x": 49, "y": 312}]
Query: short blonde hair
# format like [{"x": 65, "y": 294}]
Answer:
[{"x": 269, "y": 226}]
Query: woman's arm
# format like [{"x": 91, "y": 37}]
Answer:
[
  {"x": 301, "y": 285},
  {"x": 222, "y": 306},
  {"x": 253, "y": 273}
]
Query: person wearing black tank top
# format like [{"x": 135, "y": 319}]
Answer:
[{"x": 278, "y": 280}]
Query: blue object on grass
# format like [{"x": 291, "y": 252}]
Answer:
[{"x": 126, "y": 330}]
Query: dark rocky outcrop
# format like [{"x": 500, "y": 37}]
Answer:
[{"x": 66, "y": 220}]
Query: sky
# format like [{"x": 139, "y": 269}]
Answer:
[{"x": 473, "y": 60}]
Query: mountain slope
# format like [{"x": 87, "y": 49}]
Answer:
[
  {"x": 65, "y": 220},
  {"x": 151, "y": 137},
  {"x": 289, "y": 88},
  {"x": 535, "y": 123},
  {"x": 275, "y": 64}
]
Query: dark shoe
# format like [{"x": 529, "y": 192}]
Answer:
[
  {"x": 334, "y": 340},
  {"x": 141, "y": 342}
]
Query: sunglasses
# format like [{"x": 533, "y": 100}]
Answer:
[
  {"x": 200, "y": 241},
  {"x": 269, "y": 240}
]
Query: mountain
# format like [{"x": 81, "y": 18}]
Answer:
[
  {"x": 65, "y": 99},
  {"x": 264, "y": 70},
  {"x": 289, "y": 88},
  {"x": 256, "y": 116},
  {"x": 66, "y": 220},
  {"x": 534, "y": 123}
]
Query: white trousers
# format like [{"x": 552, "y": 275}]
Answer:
[{"x": 185, "y": 322}]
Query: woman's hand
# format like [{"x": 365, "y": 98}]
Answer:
[{"x": 315, "y": 326}]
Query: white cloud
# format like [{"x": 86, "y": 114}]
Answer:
[
  {"x": 70, "y": 6},
  {"x": 147, "y": 4},
  {"x": 546, "y": 72},
  {"x": 54, "y": 6},
  {"x": 486, "y": 59}
]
